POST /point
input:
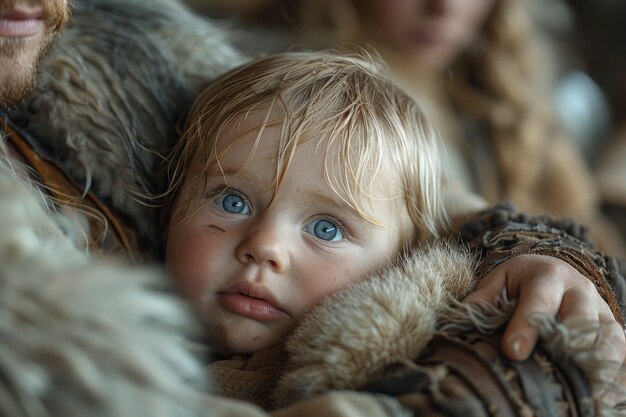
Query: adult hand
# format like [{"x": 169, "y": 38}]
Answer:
[{"x": 547, "y": 285}]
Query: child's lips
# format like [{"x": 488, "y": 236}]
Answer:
[
  {"x": 251, "y": 300},
  {"x": 248, "y": 306}
]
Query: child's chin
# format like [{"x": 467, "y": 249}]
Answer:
[{"x": 243, "y": 336}]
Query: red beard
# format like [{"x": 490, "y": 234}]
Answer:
[
  {"x": 19, "y": 58},
  {"x": 58, "y": 12}
]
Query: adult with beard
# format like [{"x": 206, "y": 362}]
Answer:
[
  {"x": 82, "y": 335},
  {"x": 27, "y": 29}
]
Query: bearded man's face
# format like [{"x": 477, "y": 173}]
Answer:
[{"x": 27, "y": 29}]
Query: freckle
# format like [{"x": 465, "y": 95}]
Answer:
[{"x": 256, "y": 338}]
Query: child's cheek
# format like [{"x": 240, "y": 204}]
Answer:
[{"x": 187, "y": 263}]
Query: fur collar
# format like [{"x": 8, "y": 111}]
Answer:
[
  {"x": 82, "y": 336},
  {"x": 111, "y": 90},
  {"x": 351, "y": 337}
]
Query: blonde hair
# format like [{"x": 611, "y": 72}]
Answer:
[
  {"x": 498, "y": 83},
  {"x": 501, "y": 86},
  {"x": 372, "y": 127}
]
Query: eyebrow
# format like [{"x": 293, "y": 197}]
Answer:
[
  {"x": 339, "y": 204},
  {"x": 316, "y": 196},
  {"x": 329, "y": 201},
  {"x": 239, "y": 173}
]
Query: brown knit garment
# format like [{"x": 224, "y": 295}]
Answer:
[{"x": 249, "y": 378}]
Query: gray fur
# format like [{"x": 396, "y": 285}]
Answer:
[
  {"x": 347, "y": 341},
  {"x": 86, "y": 337},
  {"x": 354, "y": 334},
  {"x": 111, "y": 90},
  {"x": 93, "y": 337}
]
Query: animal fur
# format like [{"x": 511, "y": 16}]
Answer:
[
  {"x": 83, "y": 336},
  {"x": 111, "y": 91},
  {"x": 350, "y": 338}
]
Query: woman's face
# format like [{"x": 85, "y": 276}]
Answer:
[{"x": 429, "y": 33}]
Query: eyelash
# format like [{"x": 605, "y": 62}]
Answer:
[
  {"x": 346, "y": 233},
  {"x": 222, "y": 189}
]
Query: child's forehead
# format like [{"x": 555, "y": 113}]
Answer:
[
  {"x": 263, "y": 133},
  {"x": 251, "y": 120}
]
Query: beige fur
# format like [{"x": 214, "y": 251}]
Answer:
[
  {"x": 94, "y": 337},
  {"x": 82, "y": 336},
  {"x": 352, "y": 336}
]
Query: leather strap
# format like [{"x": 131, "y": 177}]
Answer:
[
  {"x": 104, "y": 225},
  {"x": 466, "y": 375},
  {"x": 475, "y": 369}
]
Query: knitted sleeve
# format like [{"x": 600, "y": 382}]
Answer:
[{"x": 501, "y": 233}]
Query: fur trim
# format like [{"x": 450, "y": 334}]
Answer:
[
  {"x": 351, "y": 337},
  {"x": 112, "y": 89},
  {"x": 84, "y": 337}
]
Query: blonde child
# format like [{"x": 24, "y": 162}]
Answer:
[
  {"x": 482, "y": 74},
  {"x": 301, "y": 173},
  {"x": 308, "y": 185}
]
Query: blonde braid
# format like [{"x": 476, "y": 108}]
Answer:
[{"x": 500, "y": 89}]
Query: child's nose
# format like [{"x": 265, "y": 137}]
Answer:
[{"x": 265, "y": 246}]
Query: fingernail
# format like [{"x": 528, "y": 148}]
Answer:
[{"x": 518, "y": 345}]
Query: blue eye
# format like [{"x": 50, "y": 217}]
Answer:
[
  {"x": 325, "y": 230},
  {"x": 232, "y": 203}
]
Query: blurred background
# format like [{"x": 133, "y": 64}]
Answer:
[{"x": 576, "y": 74}]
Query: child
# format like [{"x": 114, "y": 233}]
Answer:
[
  {"x": 296, "y": 176},
  {"x": 482, "y": 76},
  {"x": 321, "y": 172}
]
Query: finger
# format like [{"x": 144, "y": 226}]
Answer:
[
  {"x": 497, "y": 283},
  {"x": 490, "y": 288},
  {"x": 510, "y": 275},
  {"x": 490, "y": 294},
  {"x": 610, "y": 348},
  {"x": 580, "y": 306},
  {"x": 618, "y": 393},
  {"x": 591, "y": 324},
  {"x": 582, "y": 300},
  {"x": 589, "y": 312},
  {"x": 612, "y": 342},
  {"x": 615, "y": 334},
  {"x": 521, "y": 335}
]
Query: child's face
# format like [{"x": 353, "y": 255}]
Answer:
[
  {"x": 431, "y": 33},
  {"x": 255, "y": 268}
]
